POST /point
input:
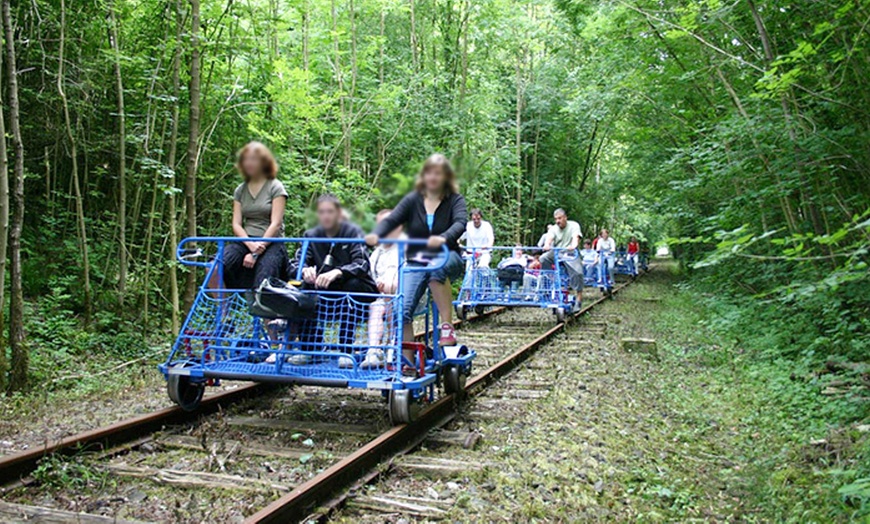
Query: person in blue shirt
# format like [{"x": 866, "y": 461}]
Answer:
[{"x": 590, "y": 261}]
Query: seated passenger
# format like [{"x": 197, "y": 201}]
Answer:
[
  {"x": 529, "y": 269},
  {"x": 478, "y": 237},
  {"x": 258, "y": 212},
  {"x": 590, "y": 260},
  {"x": 335, "y": 266},
  {"x": 434, "y": 211},
  {"x": 385, "y": 271},
  {"x": 513, "y": 269}
]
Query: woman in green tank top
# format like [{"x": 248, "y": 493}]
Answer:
[{"x": 258, "y": 212}]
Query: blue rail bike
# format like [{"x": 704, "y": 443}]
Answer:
[
  {"x": 623, "y": 264},
  {"x": 513, "y": 284},
  {"x": 324, "y": 339}
]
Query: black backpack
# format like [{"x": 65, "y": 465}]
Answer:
[
  {"x": 275, "y": 298},
  {"x": 509, "y": 274}
]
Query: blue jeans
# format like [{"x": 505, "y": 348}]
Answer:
[
  {"x": 605, "y": 270},
  {"x": 590, "y": 272},
  {"x": 416, "y": 282}
]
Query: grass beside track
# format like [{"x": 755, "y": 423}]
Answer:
[{"x": 705, "y": 432}]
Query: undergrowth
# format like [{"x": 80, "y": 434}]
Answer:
[{"x": 805, "y": 459}]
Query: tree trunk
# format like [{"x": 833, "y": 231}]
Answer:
[
  {"x": 348, "y": 144},
  {"x": 122, "y": 156},
  {"x": 414, "y": 48},
  {"x": 339, "y": 79},
  {"x": 20, "y": 358},
  {"x": 77, "y": 190},
  {"x": 170, "y": 162},
  {"x": 192, "y": 150},
  {"x": 4, "y": 229},
  {"x": 519, "y": 147},
  {"x": 306, "y": 29}
]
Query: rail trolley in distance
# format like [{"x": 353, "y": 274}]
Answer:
[
  {"x": 513, "y": 283},
  {"x": 324, "y": 345}
]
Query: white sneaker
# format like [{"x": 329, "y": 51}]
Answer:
[
  {"x": 271, "y": 358},
  {"x": 374, "y": 359},
  {"x": 298, "y": 360},
  {"x": 345, "y": 362}
]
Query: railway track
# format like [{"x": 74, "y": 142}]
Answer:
[{"x": 347, "y": 454}]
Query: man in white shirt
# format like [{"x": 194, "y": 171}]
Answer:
[
  {"x": 479, "y": 236},
  {"x": 606, "y": 248}
]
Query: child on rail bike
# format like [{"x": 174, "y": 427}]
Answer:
[{"x": 385, "y": 271}]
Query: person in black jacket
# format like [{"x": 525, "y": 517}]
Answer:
[
  {"x": 334, "y": 266},
  {"x": 434, "y": 211}
]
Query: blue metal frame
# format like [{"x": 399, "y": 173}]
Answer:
[
  {"x": 624, "y": 265},
  {"x": 220, "y": 339},
  {"x": 481, "y": 286}
]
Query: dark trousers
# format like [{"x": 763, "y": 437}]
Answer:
[
  {"x": 348, "y": 311},
  {"x": 271, "y": 263}
]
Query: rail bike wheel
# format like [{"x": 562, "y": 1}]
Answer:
[
  {"x": 404, "y": 408},
  {"x": 560, "y": 315},
  {"x": 454, "y": 380},
  {"x": 479, "y": 310},
  {"x": 461, "y": 312},
  {"x": 184, "y": 392}
]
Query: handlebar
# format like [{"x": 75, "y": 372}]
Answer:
[{"x": 183, "y": 255}]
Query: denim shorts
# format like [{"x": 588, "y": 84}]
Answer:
[{"x": 416, "y": 282}]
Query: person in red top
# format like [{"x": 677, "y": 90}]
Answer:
[{"x": 633, "y": 250}]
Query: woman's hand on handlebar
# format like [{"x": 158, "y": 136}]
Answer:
[
  {"x": 372, "y": 239},
  {"x": 436, "y": 241}
]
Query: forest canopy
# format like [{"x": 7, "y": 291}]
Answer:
[{"x": 735, "y": 132}]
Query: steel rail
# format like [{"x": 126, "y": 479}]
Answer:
[
  {"x": 319, "y": 490},
  {"x": 15, "y": 466}
]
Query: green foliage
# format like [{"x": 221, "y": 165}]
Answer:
[{"x": 69, "y": 473}]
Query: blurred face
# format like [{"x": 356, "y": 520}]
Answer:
[
  {"x": 328, "y": 216},
  {"x": 604, "y": 234},
  {"x": 252, "y": 164},
  {"x": 476, "y": 219},
  {"x": 434, "y": 179},
  {"x": 561, "y": 220},
  {"x": 587, "y": 245},
  {"x": 518, "y": 252}
]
